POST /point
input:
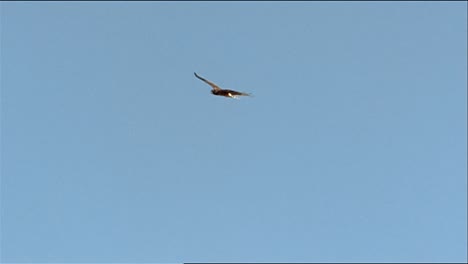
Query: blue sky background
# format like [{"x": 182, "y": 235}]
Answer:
[{"x": 353, "y": 149}]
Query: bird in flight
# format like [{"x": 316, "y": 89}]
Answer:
[{"x": 221, "y": 92}]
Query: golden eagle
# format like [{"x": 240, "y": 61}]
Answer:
[{"x": 221, "y": 92}]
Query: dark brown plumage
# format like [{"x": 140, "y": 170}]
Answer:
[{"x": 221, "y": 92}]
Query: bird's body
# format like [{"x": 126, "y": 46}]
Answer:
[{"x": 221, "y": 92}]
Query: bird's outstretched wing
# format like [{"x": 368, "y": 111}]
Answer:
[{"x": 215, "y": 87}]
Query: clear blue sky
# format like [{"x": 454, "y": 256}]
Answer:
[{"x": 353, "y": 149}]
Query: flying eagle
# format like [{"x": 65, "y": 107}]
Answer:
[{"x": 221, "y": 92}]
